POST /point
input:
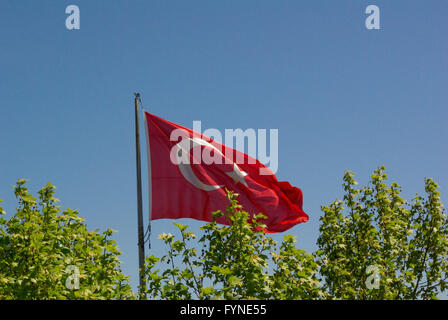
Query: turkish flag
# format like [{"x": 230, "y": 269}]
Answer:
[{"x": 185, "y": 183}]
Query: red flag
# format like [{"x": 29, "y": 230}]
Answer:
[{"x": 182, "y": 185}]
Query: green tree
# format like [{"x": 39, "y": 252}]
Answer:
[
  {"x": 233, "y": 263},
  {"x": 43, "y": 250},
  {"x": 374, "y": 244}
]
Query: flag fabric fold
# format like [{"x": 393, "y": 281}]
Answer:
[{"x": 186, "y": 184}]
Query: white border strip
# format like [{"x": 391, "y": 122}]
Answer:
[{"x": 148, "y": 153}]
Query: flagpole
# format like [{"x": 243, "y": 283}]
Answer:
[{"x": 141, "y": 242}]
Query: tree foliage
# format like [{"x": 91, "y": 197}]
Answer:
[
  {"x": 374, "y": 244},
  {"x": 42, "y": 249},
  {"x": 233, "y": 263}
]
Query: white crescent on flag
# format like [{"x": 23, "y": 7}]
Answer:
[{"x": 183, "y": 161}]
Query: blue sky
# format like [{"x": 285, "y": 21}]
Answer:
[{"x": 342, "y": 97}]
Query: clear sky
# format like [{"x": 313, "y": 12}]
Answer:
[{"x": 341, "y": 96}]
